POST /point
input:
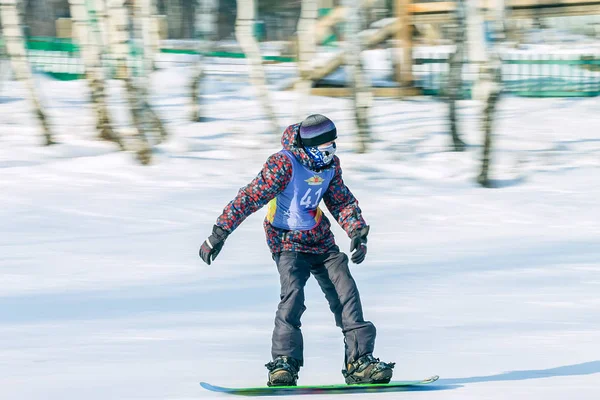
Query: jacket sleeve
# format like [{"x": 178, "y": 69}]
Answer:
[
  {"x": 271, "y": 181},
  {"x": 342, "y": 204}
]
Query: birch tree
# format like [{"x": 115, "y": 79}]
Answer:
[
  {"x": 359, "y": 82},
  {"x": 99, "y": 10},
  {"x": 143, "y": 32},
  {"x": 4, "y": 67},
  {"x": 455, "y": 67},
  {"x": 17, "y": 54},
  {"x": 244, "y": 33},
  {"x": 87, "y": 32},
  {"x": 145, "y": 15},
  {"x": 154, "y": 40},
  {"x": 205, "y": 25},
  {"x": 488, "y": 86},
  {"x": 306, "y": 54},
  {"x": 118, "y": 23}
]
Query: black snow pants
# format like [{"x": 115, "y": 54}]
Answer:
[{"x": 333, "y": 275}]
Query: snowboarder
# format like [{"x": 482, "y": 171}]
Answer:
[{"x": 292, "y": 182}]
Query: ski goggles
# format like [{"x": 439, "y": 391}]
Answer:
[{"x": 323, "y": 154}]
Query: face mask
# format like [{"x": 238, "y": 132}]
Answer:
[{"x": 321, "y": 155}]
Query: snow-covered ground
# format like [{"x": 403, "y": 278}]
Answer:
[{"x": 103, "y": 295}]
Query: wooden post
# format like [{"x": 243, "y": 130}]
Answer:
[{"x": 404, "y": 60}]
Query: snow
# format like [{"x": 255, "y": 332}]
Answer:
[{"x": 104, "y": 296}]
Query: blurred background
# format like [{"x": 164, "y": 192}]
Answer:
[
  {"x": 468, "y": 131},
  {"x": 360, "y": 50}
]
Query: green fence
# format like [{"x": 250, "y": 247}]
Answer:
[
  {"x": 529, "y": 75},
  {"x": 534, "y": 75},
  {"x": 225, "y": 54},
  {"x": 61, "y": 58}
]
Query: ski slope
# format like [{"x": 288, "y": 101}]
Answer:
[{"x": 104, "y": 297}]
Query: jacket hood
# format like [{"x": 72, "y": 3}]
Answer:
[{"x": 289, "y": 141}]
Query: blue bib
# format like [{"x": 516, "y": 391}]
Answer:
[{"x": 297, "y": 207}]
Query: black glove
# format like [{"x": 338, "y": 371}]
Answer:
[
  {"x": 212, "y": 246},
  {"x": 359, "y": 243}
]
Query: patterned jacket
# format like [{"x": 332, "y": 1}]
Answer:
[{"x": 272, "y": 180}]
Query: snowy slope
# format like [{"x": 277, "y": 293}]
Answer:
[{"x": 104, "y": 297}]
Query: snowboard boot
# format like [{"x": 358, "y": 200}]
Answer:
[
  {"x": 368, "y": 369},
  {"x": 283, "y": 371}
]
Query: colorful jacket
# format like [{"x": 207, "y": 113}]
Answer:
[{"x": 272, "y": 180}]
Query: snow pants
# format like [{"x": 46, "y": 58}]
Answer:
[{"x": 333, "y": 275}]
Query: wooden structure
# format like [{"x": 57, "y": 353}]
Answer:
[
  {"x": 442, "y": 11},
  {"x": 409, "y": 13}
]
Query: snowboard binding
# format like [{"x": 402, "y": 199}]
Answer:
[
  {"x": 283, "y": 371},
  {"x": 368, "y": 370}
]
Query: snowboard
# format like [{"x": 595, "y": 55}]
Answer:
[{"x": 320, "y": 389}]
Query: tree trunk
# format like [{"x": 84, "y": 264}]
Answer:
[
  {"x": 154, "y": 35},
  {"x": 489, "y": 85},
  {"x": 487, "y": 124},
  {"x": 140, "y": 21},
  {"x": 306, "y": 53},
  {"x": 145, "y": 17},
  {"x": 245, "y": 36},
  {"x": 359, "y": 82},
  {"x": 119, "y": 23},
  {"x": 87, "y": 32},
  {"x": 455, "y": 67},
  {"x": 143, "y": 11},
  {"x": 101, "y": 17},
  {"x": 17, "y": 54},
  {"x": 4, "y": 62},
  {"x": 205, "y": 26}
]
